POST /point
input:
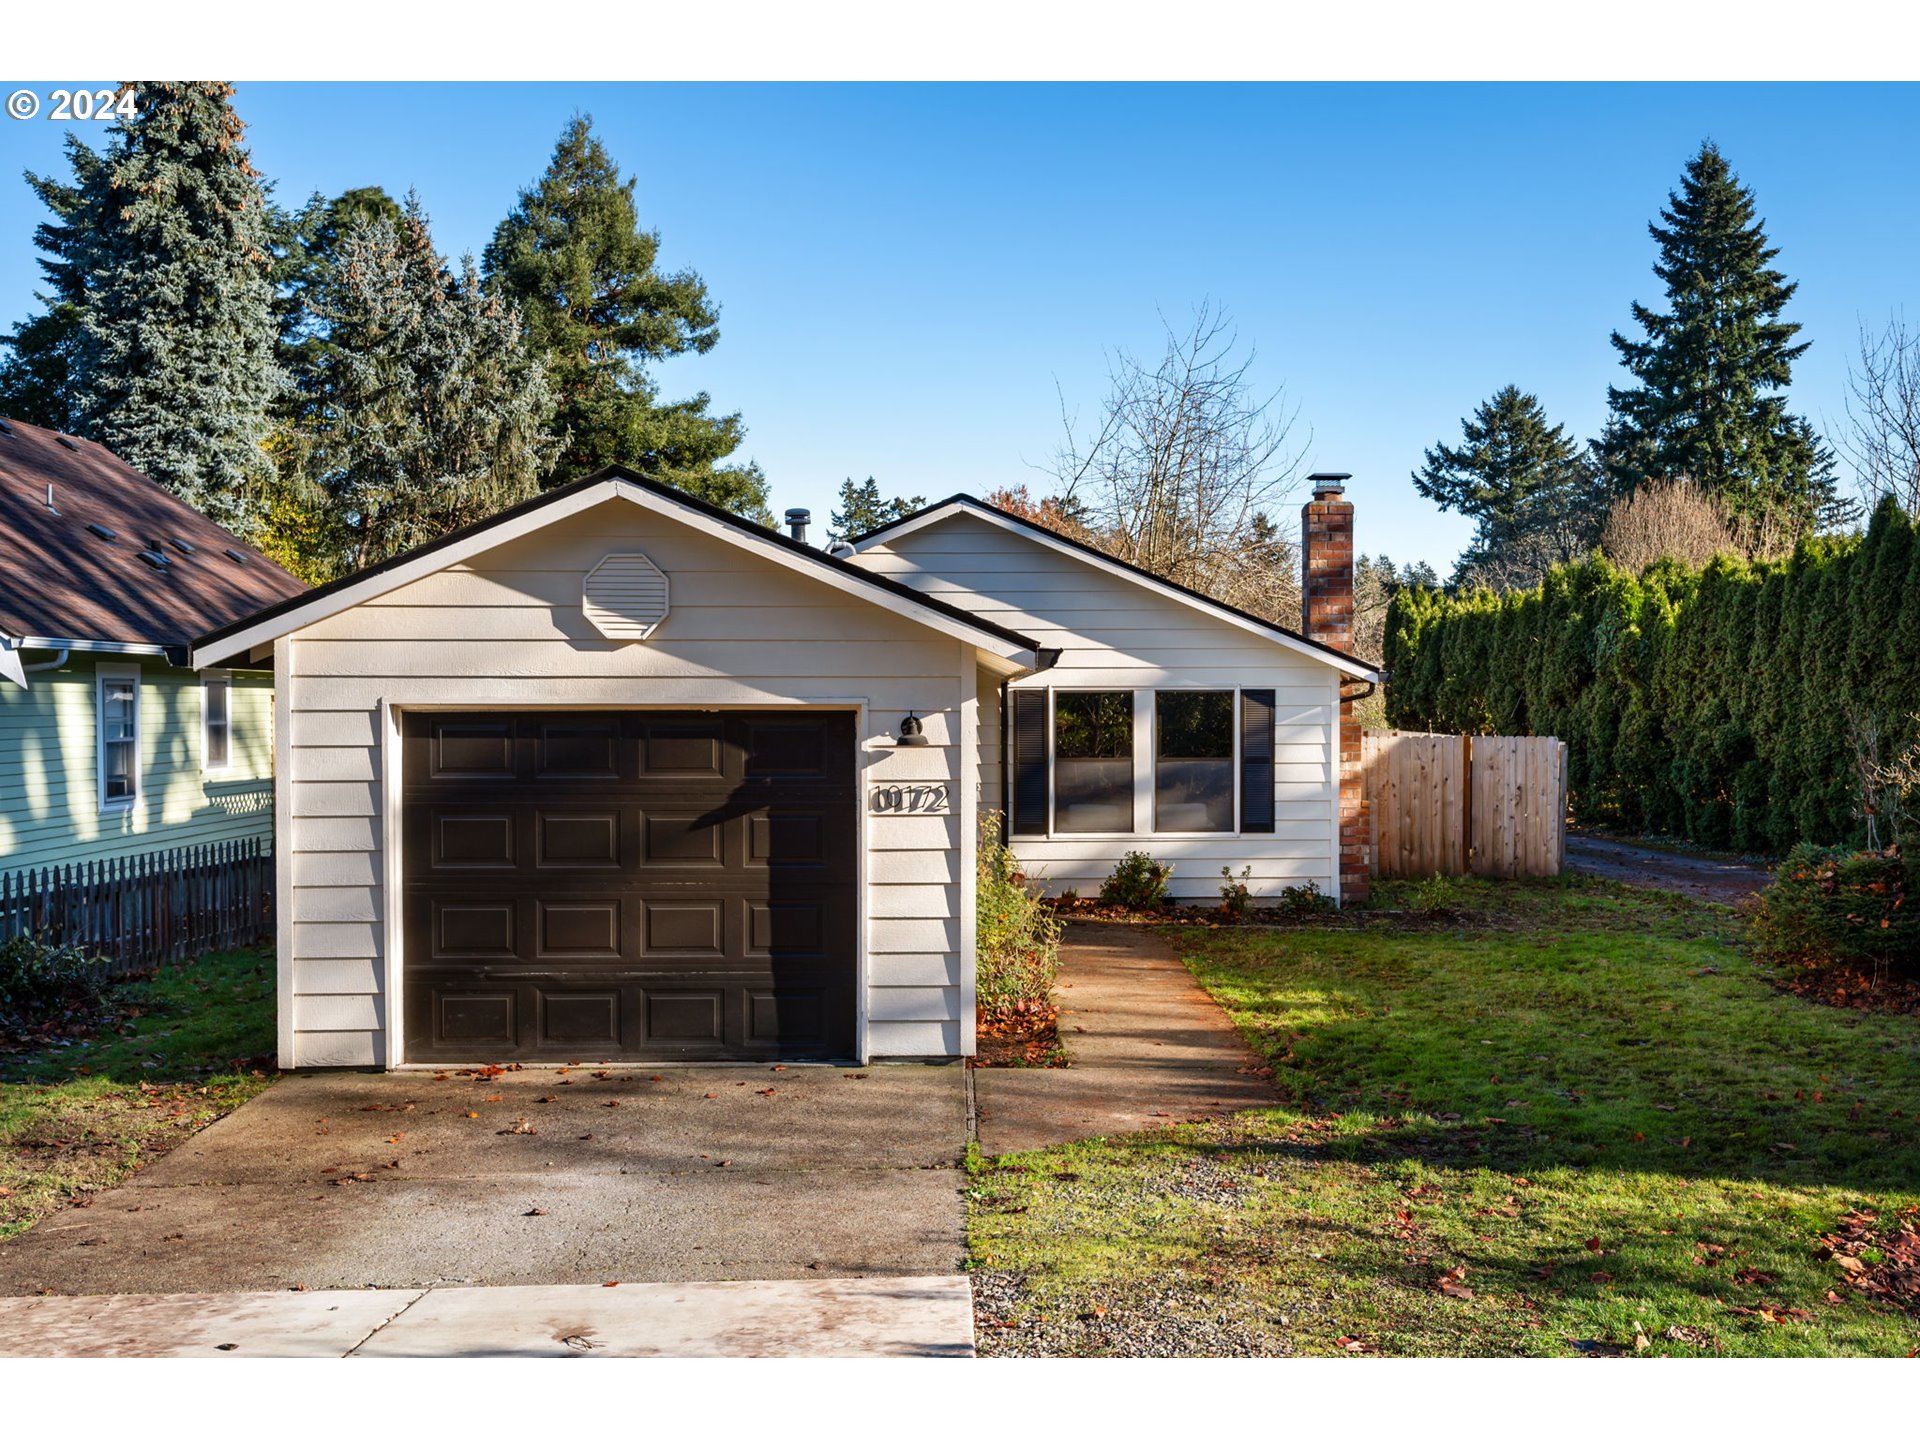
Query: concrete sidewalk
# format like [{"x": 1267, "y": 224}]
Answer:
[
  {"x": 929, "y": 1317},
  {"x": 1147, "y": 1047}
]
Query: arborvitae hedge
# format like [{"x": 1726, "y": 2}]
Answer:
[{"x": 1712, "y": 704}]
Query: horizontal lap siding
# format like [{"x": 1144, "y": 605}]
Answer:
[
  {"x": 49, "y": 767},
  {"x": 1114, "y": 634},
  {"x": 507, "y": 629}
]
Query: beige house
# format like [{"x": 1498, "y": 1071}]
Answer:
[{"x": 619, "y": 775}]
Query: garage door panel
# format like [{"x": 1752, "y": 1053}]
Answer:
[
  {"x": 577, "y": 839},
  {"x": 469, "y": 749},
  {"x": 471, "y": 929},
  {"x": 467, "y": 839},
  {"x": 651, "y": 885},
  {"x": 683, "y": 749},
  {"x": 679, "y": 837},
  {"x": 578, "y": 929},
  {"x": 577, "y": 749}
]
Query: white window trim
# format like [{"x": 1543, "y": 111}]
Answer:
[
  {"x": 1145, "y": 737},
  {"x": 102, "y": 674},
  {"x": 208, "y": 679}
]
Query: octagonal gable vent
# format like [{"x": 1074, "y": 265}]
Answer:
[{"x": 626, "y": 597}]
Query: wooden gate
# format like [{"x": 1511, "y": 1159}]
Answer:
[{"x": 1460, "y": 804}]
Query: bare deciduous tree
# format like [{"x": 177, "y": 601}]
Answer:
[
  {"x": 1883, "y": 416},
  {"x": 1187, "y": 468},
  {"x": 1672, "y": 519}
]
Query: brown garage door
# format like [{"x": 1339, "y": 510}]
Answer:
[{"x": 653, "y": 885}]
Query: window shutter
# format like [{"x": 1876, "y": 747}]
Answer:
[
  {"x": 1029, "y": 766},
  {"x": 1256, "y": 762}
]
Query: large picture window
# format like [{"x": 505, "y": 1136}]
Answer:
[
  {"x": 117, "y": 706},
  {"x": 1193, "y": 760},
  {"x": 1093, "y": 762}
]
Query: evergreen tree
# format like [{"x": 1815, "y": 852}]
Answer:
[
  {"x": 1712, "y": 368},
  {"x": 167, "y": 239},
  {"x": 1531, "y": 490},
  {"x": 862, "y": 508},
  {"x": 311, "y": 242},
  {"x": 584, "y": 274},
  {"x": 36, "y": 377},
  {"x": 430, "y": 411}
]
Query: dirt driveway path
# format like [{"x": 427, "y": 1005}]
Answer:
[
  {"x": 1726, "y": 882},
  {"x": 338, "y": 1181}
]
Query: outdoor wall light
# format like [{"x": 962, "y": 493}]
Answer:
[{"x": 910, "y": 731}]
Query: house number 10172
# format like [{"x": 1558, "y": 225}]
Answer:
[{"x": 910, "y": 799}]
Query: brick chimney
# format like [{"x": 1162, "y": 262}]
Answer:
[{"x": 1326, "y": 604}]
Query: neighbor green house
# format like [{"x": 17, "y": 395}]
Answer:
[{"x": 109, "y": 744}]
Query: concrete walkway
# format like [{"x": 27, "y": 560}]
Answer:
[
  {"x": 1147, "y": 1047},
  {"x": 930, "y": 1317}
]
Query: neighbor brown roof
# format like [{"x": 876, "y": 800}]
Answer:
[{"x": 61, "y": 581}]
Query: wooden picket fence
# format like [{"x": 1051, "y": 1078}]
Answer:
[
  {"x": 1466, "y": 804},
  {"x": 143, "y": 911}
]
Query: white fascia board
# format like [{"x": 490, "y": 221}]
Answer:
[
  {"x": 941, "y": 513},
  {"x": 238, "y": 643},
  {"x": 98, "y": 647}
]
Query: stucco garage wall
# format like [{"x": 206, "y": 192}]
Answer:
[
  {"x": 506, "y": 629},
  {"x": 1115, "y": 634}
]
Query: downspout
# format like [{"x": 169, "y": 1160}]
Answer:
[{"x": 12, "y": 669}]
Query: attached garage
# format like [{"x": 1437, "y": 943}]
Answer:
[
  {"x": 657, "y": 885},
  {"x": 619, "y": 776}
]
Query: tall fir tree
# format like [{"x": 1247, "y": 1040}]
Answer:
[
  {"x": 430, "y": 410},
  {"x": 862, "y": 508},
  {"x": 1533, "y": 492},
  {"x": 586, "y": 276},
  {"x": 36, "y": 376},
  {"x": 168, "y": 244},
  {"x": 1712, "y": 367}
]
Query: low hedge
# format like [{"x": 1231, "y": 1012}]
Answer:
[
  {"x": 42, "y": 985},
  {"x": 1830, "y": 904}
]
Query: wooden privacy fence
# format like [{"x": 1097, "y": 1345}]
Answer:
[
  {"x": 142, "y": 911},
  {"x": 1460, "y": 804}
]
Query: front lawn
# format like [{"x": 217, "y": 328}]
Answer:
[
  {"x": 187, "y": 1047},
  {"x": 1563, "y": 1118}
]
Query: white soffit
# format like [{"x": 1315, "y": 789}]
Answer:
[{"x": 625, "y": 597}]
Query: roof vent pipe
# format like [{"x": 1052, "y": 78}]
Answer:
[
  {"x": 50, "y": 505},
  {"x": 797, "y": 521}
]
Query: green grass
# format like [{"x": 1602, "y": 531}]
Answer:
[
  {"x": 190, "y": 1045},
  {"x": 1585, "y": 1096}
]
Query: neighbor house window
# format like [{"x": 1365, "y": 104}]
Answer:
[
  {"x": 1093, "y": 762},
  {"x": 217, "y": 722},
  {"x": 1193, "y": 760},
  {"x": 117, "y": 702}
]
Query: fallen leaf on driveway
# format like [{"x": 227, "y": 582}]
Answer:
[{"x": 535, "y": 1211}]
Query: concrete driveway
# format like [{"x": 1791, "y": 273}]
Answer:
[{"x": 533, "y": 1177}]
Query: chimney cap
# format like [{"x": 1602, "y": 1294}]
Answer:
[{"x": 1329, "y": 482}]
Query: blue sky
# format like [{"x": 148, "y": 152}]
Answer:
[{"x": 906, "y": 271}]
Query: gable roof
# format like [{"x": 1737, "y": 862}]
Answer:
[
  {"x": 245, "y": 633},
  {"x": 62, "y": 581},
  {"x": 954, "y": 505}
]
